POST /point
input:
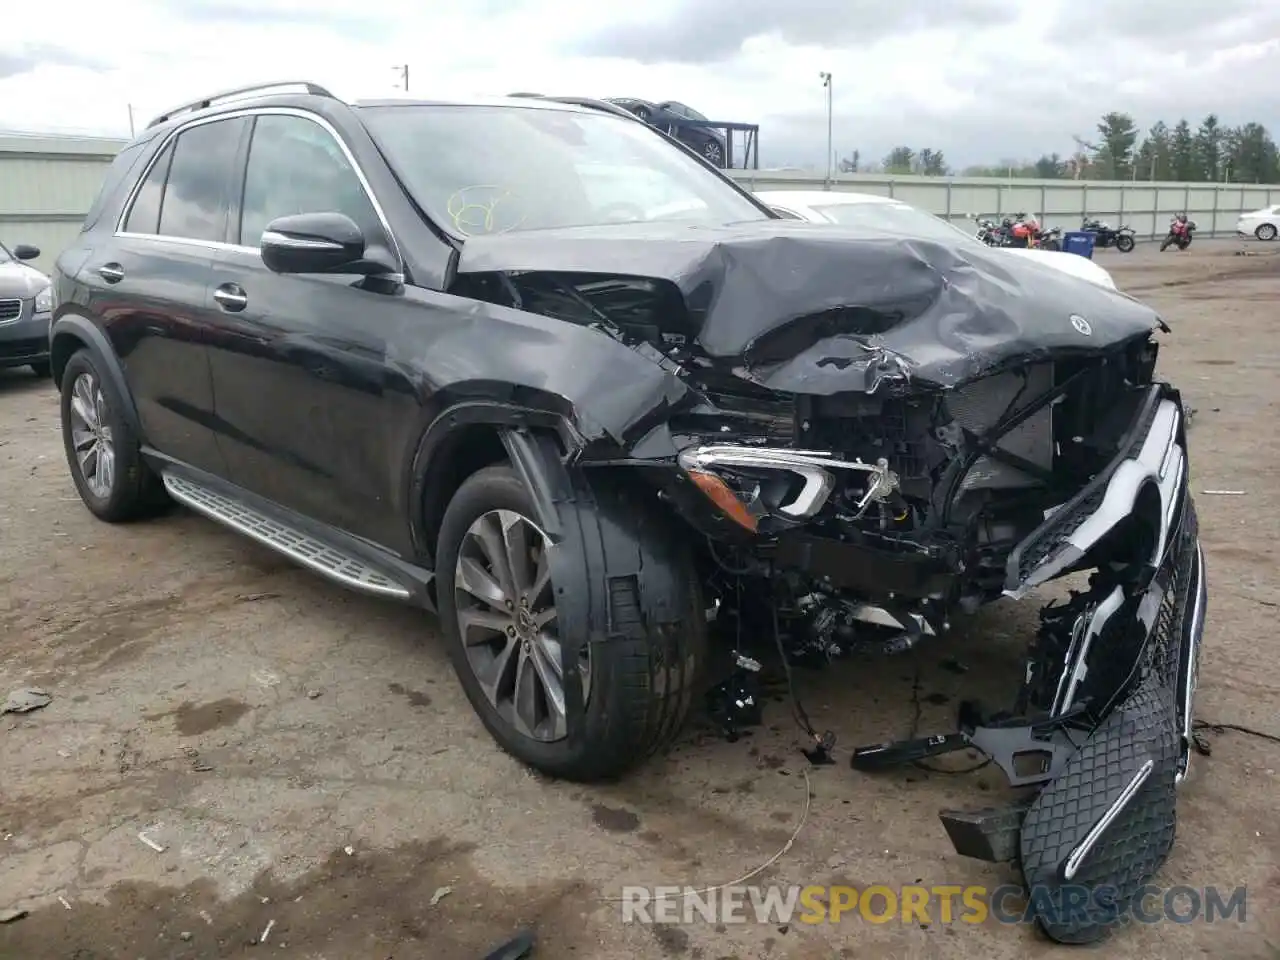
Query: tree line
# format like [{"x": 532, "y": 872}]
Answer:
[{"x": 1211, "y": 153}]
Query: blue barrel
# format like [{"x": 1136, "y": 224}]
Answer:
[{"x": 1078, "y": 242}]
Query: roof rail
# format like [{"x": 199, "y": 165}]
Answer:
[{"x": 238, "y": 93}]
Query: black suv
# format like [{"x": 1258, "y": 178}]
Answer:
[{"x": 533, "y": 365}]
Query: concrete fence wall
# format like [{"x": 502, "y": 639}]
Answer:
[
  {"x": 1147, "y": 207},
  {"x": 48, "y": 182},
  {"x": 46, "y": 186}
]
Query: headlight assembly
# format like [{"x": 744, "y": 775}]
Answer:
[
  {"x": 44, "y": 300},
  {"x": 747, "y": 483}
]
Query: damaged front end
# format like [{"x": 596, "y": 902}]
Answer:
[{"x": 881, "y": 433}]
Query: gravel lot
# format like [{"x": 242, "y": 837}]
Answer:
[{"x": 258, "y": 723}]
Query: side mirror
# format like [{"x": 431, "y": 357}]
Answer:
[
  {"x": 316, "y": 243},
  {"x": 25, "y": 251}
]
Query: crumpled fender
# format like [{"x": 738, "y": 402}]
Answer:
[{"x": 493, "y": 354}]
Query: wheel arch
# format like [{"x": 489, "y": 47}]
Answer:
[
  {"x": 71, "y": 333},
  {"x": 472, "y": 435}
]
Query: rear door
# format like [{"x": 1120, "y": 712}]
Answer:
[
  {"x": 299, "y": 362},
  {"x": 149, "y": 287}
]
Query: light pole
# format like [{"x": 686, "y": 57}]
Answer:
[
  {"x": 826, "y": 82},
  {"x": 403, "y": 70}
]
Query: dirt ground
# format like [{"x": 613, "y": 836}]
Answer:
[{"x": 315, "y": 777}]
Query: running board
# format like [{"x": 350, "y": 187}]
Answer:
[{"x": 300, "y": 547}]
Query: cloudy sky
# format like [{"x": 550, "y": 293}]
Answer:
[{"x": 983, "y": 80}]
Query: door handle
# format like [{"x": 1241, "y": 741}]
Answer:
[
  {"x": 231, "y": 297},
  {"x": 111, "y": 272}
]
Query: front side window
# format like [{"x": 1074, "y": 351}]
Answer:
[
  {"x": 497, "y": 169},
  {"x": 680, "y": 110},
  {"x": 194, "y": 205},
  {"x": 296, "y": 166}
]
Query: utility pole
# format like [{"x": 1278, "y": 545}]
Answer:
[
  {"x": 403, "y": 70},
  {"x": 130, "y": 106},
  {"x": 826, "y": 82}
]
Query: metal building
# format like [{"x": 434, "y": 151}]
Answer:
[{"x": 46, "y": 185}]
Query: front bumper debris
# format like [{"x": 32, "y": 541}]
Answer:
[{"x": 1106, "y": 736}]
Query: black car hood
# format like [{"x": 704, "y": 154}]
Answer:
[{"x": 812, "y": 308}]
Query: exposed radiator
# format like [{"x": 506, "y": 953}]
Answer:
[{"x": 979, "y": 405}]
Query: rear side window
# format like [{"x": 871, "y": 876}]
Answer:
[
  {"x": 194, "y": 206},
  {"x": 185, "y": 193},
  {"x": 144, "y": 216}
]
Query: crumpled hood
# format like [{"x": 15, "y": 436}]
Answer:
[
  {"x": 19, "y": 281},
  {"x": 812, "y": 308}
]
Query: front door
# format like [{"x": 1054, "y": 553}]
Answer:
[{"x": 299, "y": 362}]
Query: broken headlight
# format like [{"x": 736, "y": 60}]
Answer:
[{"x": 751, "y": 483}]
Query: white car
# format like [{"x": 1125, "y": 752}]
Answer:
[
  {"x": 1263, "y": 224},
  {"x": 884, "y": 213}
]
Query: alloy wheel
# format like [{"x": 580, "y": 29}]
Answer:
[
  {"x": 1266, "y": 232},
  {"x": 712, "y": 152},
  {"x": 91, "y": 435},
  {"x": 508, "y": 625}
]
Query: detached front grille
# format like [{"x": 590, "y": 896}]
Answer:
[{"x": 10, "y": 310}]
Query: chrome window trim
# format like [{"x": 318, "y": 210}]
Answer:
[{"x": 232, "y": 115}]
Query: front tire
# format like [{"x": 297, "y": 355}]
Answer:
[
  {"x": 1266, "y": 231},
  {"x": 504, "y": 628},
  {"x": 1125, "y": 243},
  {"x": 1164, "y": 244},
  {"x": 103, "y": 453}
]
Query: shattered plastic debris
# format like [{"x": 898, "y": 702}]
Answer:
[
  {"x": 517, "y": 948},
  {"x": 440, "y": 894},
  {"x": 25, "y": 700},
  {"x": 157, "y": 847}
]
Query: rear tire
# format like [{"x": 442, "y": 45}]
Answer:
[
  {"x": 1125, "y": 243},
  {"x": 103, "y": 453},
  {"x": 1052, "y": 245},
  {"x": 1266, "y": 231},
  {"x": 639, "y": 675}
]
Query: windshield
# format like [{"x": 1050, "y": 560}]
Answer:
[
  {"x": 497, "y": 169},
  {"x": 894, "y": 218}
]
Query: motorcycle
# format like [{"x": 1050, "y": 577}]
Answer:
[
  {"x": 1104, "y": 235},
  {"x": 1180, "y": 230},
  {"x": 1050, "y": 239},
  {"x": 988, "y": 231},
  {"x": 1023, "y": 232}
]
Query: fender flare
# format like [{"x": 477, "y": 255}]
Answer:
[
  {"x": 529, "y": 437},
  {"x": 76, "y": 327}
]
